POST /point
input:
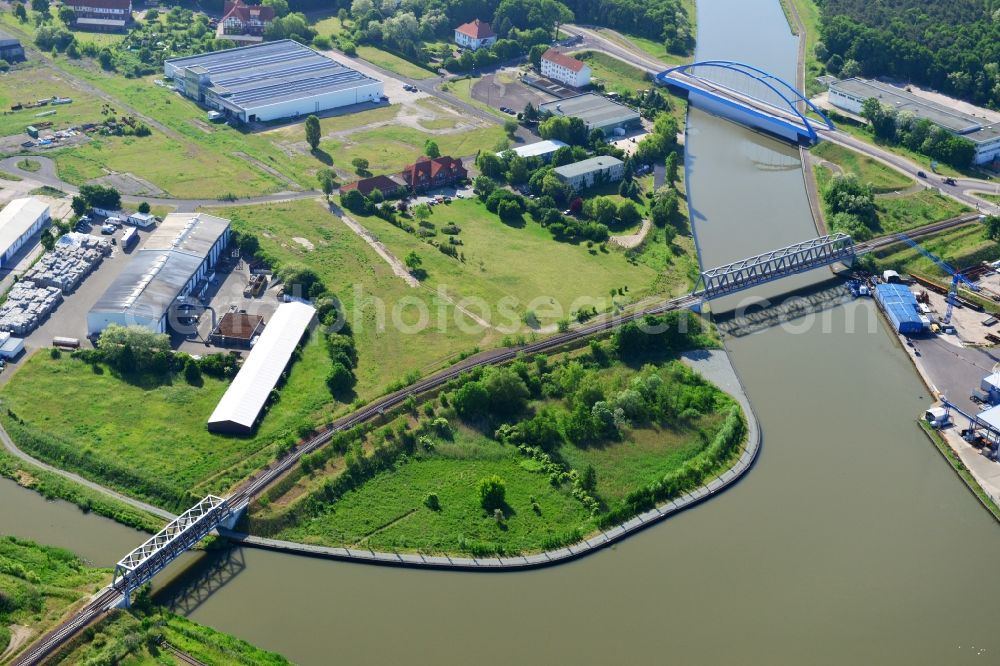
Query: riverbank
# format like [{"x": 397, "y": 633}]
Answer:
[{"x": 714, "y": 365}]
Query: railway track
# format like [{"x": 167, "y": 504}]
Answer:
[{"x": 245, "y": 493}]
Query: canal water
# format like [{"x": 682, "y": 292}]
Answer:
[{"x": 851, "y": 541}]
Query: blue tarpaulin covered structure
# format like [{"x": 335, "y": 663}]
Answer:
[{"x": 900, "y": 306}]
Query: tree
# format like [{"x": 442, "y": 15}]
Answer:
[
  {"x": 360, "y": 165},
  {"x": 192, "y": 373},
  {"x": 492, "y": 492},
  {"x": 339, "y": 380},
  {"x": 600, "y": 209},
  {"x": 313, "y": 132},
  {"x": 508, "y": 394},
  {"x": 327, "y": 181},
  {"x": 508, "y": 211},
  {"x": 48, "y": 241},
  {"x": 671, "y": 167},
  {"x": 99, "y": 196},
  {"x": 628, "y": 213},
  {"x": 134, "y": 348},
  {"x": 490, "y": 165},
  {"x": 535, "y": 55},
  {"x": 40, "y": 6},
  {"x": 422, "y": 211},
  {"x": 67, "y": 15},
  {"x": 483, "y": 186},
  {"x": 20, "y": 12},
  {"x": 413, "y": 261},
  {"x": 992, "y": 230},
  {"x": 431, "y": 149},
  {"x": 280, "y": 7},
  {"x": 79, "y": 205},
  {"x": 510, "y": 127},
  {"x": 144, "y": 207}
]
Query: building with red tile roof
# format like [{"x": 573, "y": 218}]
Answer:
[
  {"x": 244, "y": 23},
  {"x": 562, "y": 68},
  {"x": 475, "y": 35},
  {"x": 427, "y": 173},
  {"x": 384, "y": 184}
]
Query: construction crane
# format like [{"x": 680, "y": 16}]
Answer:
[{"x": 956, "y": 277}]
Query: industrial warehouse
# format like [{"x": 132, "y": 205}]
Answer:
[
  {"x": 20, "y": 220},
  {"x": 243, "y": 401},
  {"x": 178, "y": 256},
  {"x": 282, "y": 79},
  {"x": 596, "y": 112}
]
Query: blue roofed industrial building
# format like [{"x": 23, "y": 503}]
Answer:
[
  {"x": 900, "y": 306},
  {"x": 282, "y": 79}
]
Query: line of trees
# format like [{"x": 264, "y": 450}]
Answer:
[{"x": 920, "y": 135}]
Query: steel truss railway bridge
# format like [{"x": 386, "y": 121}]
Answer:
[{"x": 214, "y": 513}]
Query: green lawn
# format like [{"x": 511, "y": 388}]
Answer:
[
  {"x": 462, "y": 89},
  {"x": 126, "y": 638},
  {"x": 329, "y": 26},
  {"x": 613, "y": 73},
  {"x": 394, "y": 63},
  {"x": 371, "y": 293},
  {"x": 962, "y": 248},
  {"x": 868, "y": 170},
  {"x": 31, "y": 82},
  {"x": 902, "y": 212},
  {"x": 995, "y": 198},
  {"x": 524, "y": 266},
  {"x": 654, "y": 48},
  {"x": 388, "y": 149},
  {"x": 388, "y": 511},
  {"x": 151, "y": 441},
  {"x": 40, "y": 584}
]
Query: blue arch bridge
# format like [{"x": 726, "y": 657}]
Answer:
[{"x": 747, "y": 95}]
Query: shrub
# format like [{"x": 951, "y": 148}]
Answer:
[
  {"x": 492, "y": 492},
  {"x": 432, "y": 502}
]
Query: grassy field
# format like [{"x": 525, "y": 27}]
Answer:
[
  {"x": 651, "y": 47},
  {"x": 394, "y": 63},
  {"x": 372, "y": 295},
  {"x": 868, "y": 170},
  {"x": 962, "y": 248},
  {"x": 329, "y": 26},
  {"x": 39, "y": 585},
  {"x": 901, "y": 212},
  {"x": 995, "y": 198},
  {"x": 34, "y": 81},
  {"x": 130, "y": 638},
  {"x": 167, "y": 451},
  {"x": 388, "y": 149},
  {"x": 613, "y": 73},
  {"x": 525, "y": 266},
  {"x": 462, "y": 89},
  {"x": 809, "y": 14},
  {"x": 389, "y": 510}
]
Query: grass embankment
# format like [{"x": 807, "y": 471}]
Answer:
[
  {"x": 39, "y": 585},
  {"x": 393, "y": 63},
  {"x": 134, "y": 638},
  {"x": 146, "y": 436},
  {"x": 995, "y": 198},
  {"x": 383, "y": 312},
  {"x": 462, "y": 89},
  {"x": 962, "y": 248},
  {"x": 963, "y": 472},
  {"x": 413, "y": 485},
  {"x": 613, "y": 73},
  {"x": 809, "y": 14},
  {"x": 54, "y": 486},
  {"x": 651, "y": 47},
  {"x": 524, "y": 267},
  {"x": 895, "y": 211}
]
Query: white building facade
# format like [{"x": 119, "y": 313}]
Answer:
[
  {"x": 19, "y": 221},
  {"x": 475, "y": 35},
  {"x": 564, "y": 69},
  {"x": 584, "y": 174}
]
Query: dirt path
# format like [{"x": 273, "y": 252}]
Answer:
[
  {"x": 633, "y": 241},
  {"x": 397, "y": 266},
  {"x": 19, "y": 635}
]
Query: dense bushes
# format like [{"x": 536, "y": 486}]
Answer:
[{"x": 919, "y": 135}]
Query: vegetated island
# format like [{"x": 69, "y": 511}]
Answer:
[{"x": 520, "y": 458}]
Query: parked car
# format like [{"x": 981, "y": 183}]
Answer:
[
  {"x": 921, "y": 174},
  {"x": 108, "y": 229},
  {"x": 950, "y": 181}
]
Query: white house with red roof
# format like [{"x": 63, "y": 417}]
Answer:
[
  {"x": 564, "y": 69},
  {"x": 475, "y": 35}
]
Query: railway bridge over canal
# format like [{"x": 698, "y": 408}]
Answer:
[
  {"x": 747, "y": 95},
  {"x": 213, "y": 514}
]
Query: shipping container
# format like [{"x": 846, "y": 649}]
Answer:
[{"x": 130, "y": 238}]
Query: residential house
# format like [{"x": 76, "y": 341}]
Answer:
[
  {"x": 429, "y": 173},
  {"x": 244, "y": 23},
  {"x": 475, "y": 35},
  {"x": 384, "y": 184},
  {"x": 564, "y": 69},
  {"x": 101, "y": 15}
]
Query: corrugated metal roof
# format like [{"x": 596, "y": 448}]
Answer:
[
  {"x": 17, "y": 218},
  {"x": 900, "y": 306},
  {"x": 191, "y": 233},
  {"x": 246, "y": 396},
  {"x": 538, "y": 148},
  {"x": 594, "y": 110}
]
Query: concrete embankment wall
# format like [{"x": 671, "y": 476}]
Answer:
[{"x": 713, "y": 364}]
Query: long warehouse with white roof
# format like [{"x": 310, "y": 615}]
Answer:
[
  {"x": 245, "y": 398},
  {"x": 176, "y": 257},
  {"x": 19, "y": 221},
  {"x": 282, "y": 79}
]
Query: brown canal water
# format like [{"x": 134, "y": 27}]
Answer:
[{"x": 851, "y": 541}]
